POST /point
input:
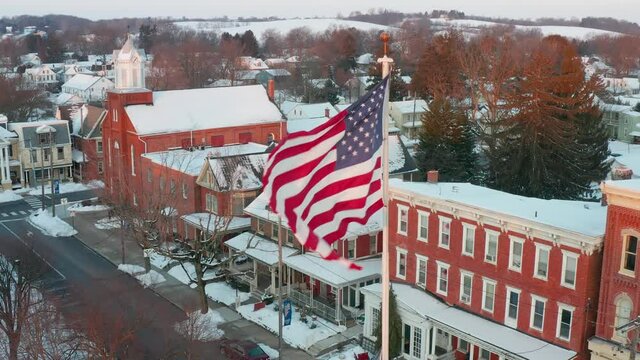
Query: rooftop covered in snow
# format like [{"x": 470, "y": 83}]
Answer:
[
  {"x": 586, "y": 218},
  {"x": 209, "y": 108},
  {"x": 259, "y": 248},
  {"x": 489, "y": 335},
  {"x": 332, "y": 273}
]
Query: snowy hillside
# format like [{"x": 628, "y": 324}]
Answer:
[
  {"x": 283, "y": 26},
  {"x": 473, "y": 26}
]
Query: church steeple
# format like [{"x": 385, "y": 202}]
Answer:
[{"x": 129, "y": 66}]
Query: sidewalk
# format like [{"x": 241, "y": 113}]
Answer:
[{"x": 107, "y": 244}]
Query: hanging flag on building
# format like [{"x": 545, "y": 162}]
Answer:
[
  {"x": 287, "y": 311},
  {"x": 322, "y": 180}
]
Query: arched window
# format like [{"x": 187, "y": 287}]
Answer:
[
  {"x": 133, "y": 161},
  {"x": 623, "y": 313}
]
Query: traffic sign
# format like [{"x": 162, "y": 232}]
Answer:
[{"x": 56, "y": 186}]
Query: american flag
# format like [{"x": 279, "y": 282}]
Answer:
[{"x": 324, "y": 179}]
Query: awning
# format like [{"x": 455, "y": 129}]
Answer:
[
  {"x": 259, "y": 248},
  {"x": 333, "y": 273},
  {"x": 487, "y": 334},
  {"x": 212, "y": 222}
]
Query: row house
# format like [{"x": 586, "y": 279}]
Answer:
[
  {"x": 10, "y": 169},
  {"x": 482, "y": 274},
  {"x": 329, "y": 290},
  {"x": 87, "y": 149},
  {"x": 40, "y": 157},
  {"x": 619, "y": 301},
  {"x": 407, "y": 116},
  {"x": 89, "y": 88},
  {"x": 41, "y": 75}
]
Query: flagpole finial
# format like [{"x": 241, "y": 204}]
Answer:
[{"x": 385, "y": 37}]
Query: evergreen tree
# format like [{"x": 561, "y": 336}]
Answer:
[
  {"x": 395, "y": 328},
  {"x": 148, "y": 35},
  {"x": 250, "y": 45},
  {"x": 396, "y": 87},
  {"x": 54, "y": 49},
  {"x": 447, "y": 143},
  {"x": 554, "y": 144},
  {"x": 331, "y": 92}
]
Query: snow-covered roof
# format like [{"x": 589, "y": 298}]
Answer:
[
  {"x": 210, "y": 108},
  {"x": 212, "y": 222},
  {"x": 242, "y": 172},
  {"x": 406, "y": 79},
  {"x": 77, "y": 156},
  {"x": 278, "y": 72},
  {"x": 587, "y": 218},
  {"x": 259, "y": 248},
  {"x": 6, "y": 134},
  {"x": 631, "y": 184},
  {"x": 81, "y": 81},
  {"x": 409, "y": 106},
  {"x": 625, "y": 154},
  {"x": 247, "y": 74},
  {"x": 127, "y": 52},
  {"x": 293, "y": 110},
  {"x": 321, "y": 83},
  {"x": 485, "y": 332},
  {"x": 65, "y": 98},
  {"x": 364, "y": 59},
  {"x": 331, "y": 273},
  {"x": 191, "y": 162}
]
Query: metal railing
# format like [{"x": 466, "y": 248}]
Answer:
[{"x": 317, "y": 307}]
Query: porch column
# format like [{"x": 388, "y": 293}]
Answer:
[
  {"x": 311, "y": 294},
  {"x": 6, "y": 163},
  {"x": 472, "y": 350},
  {"x": 255, "y": 274},
  {"x": 273, "y": 280},
  {"x": 338, "y": 292},
  {"x": 2, "y": 161},
  {"x": 4, "y": 168},
  {"x": 434, "y": 335}
]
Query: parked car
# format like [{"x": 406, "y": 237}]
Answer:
[{"x": 242, "y": 350}]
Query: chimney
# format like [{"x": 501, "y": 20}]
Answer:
[
  {"x": 271, "y": 90},
  {"x": 326, "y": 113},
  {"x": 432, "y": 176}
]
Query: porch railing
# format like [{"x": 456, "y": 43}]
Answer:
[{"x": 319, "y": 308}]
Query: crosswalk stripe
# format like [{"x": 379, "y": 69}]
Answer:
[
  {"x": 22, "y": 212},
  {"x": 13, "y": 213},
  {"x": 4, "y": 214}
]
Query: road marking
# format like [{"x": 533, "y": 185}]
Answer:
[
  {"x": 22, "y": 212},
  {"x": 33, "y": 250},
  {"x": 13, "y": 213},
  {"x": 4, "y": 215}
]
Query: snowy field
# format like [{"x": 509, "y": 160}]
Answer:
[
  {"x": 283, "y": 26},
  {"x": 574, "y": 32},
  {"x": 298, "y": 334},
  {"x": 49, "y": 225}
]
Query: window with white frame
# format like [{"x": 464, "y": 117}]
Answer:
[
  {"x": 541, "y": 268},
  {"x": 351, "y": 248},
  {"x": 491, "y": 247},
  {"x": 211, "y": 203},
  {"x": 185, "y": 191},
  {"x": 417, "y": 342},
  {"x": 624, "y": 306},
  {"x": 569, "y": 269},
  {"x": 133, "y": 161},
  {"x": 629, "y": 255},
  {"x": 421, "y": 271},
  {"x": 260, "y": 226},
  {"x": 403, "y": 219},
  {"x": 443, "y": 278},
  {"x": 516, "y": 248},
  {"x": 565, "y": 317},
  {"x": 445, "y": 232},
  {"x": 468, "y": 239},
  {"x": 275, "y": 231},
  {"x": 99, "y": 146},
  {"x": 538, "y": 305},
  {"x": 423, "y": 225},
  {"x": 463, "y": 345},
  {"x": 401, "y": 263},
  {"x": 466, "y": 284},
  {"x": 488, "y": 294},
  {"x": 512, "y": 307},
  {"x": 375, "y": 320},
  {"x": 373, "y": 244}
]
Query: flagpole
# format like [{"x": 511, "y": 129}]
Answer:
[
  {"x": 279, "y": 286},
  {"x": 386, "y": 283}
]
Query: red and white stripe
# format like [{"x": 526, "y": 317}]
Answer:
[{"x": 319, "y": 202}]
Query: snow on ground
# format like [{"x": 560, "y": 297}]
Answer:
[
  {"x": 108, "y": 223},
  {"x": 131, "y": 269},
  {"x": 283, "y": 26},
  {"x": 151, "y": 278},
  {"x": 223, "y": 293},
  {"x": 575, "y": 32},
  {"x": 179, "y": 273},
  {"x": 9, "y": 195},
  {"x": 348, "y": 352},
  {"x": 159, "y": 261},
  {"x": 90, "y": 208},
  {"x": 298, "y": 334},
  {"x": 201, "y": 327},
  {"x": 273, "y": 353},
  {"x": 67, "y": 187},
  {"x": 49, "y": 225}
]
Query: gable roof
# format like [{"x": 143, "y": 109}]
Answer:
[
  {"x": 85, "y": 119},
  {"x": 239, "y": 172},
  {"x": 82, "y": 81},
  {"x": 208, "y": 108}
]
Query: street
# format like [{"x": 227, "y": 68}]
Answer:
[{"x": 103, "y": 295}]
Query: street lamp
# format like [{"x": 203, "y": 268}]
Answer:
[{"x": 47, "y": 132}]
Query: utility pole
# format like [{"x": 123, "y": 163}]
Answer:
[
  {"x": 53, "y": 190},
  {"x": 634, "y": 327},
  {"x": 42, "y": 174},
  {"x": 280, "y": 312}
]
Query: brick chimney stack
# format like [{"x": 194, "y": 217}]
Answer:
[
  {"x": 326, "y": 113},
  {"x": 271, "y": 90},
  {"x": 432, "y": 176}
]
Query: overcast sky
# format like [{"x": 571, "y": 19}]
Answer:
[{"x": 623, "y": 9}]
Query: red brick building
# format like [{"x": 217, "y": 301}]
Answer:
[
  {"x": 86, "y": 138},
  {"x": 139, "y": 121},
  {"x": 619, "y": 288},
  {"x": 490, "y": 275}
]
